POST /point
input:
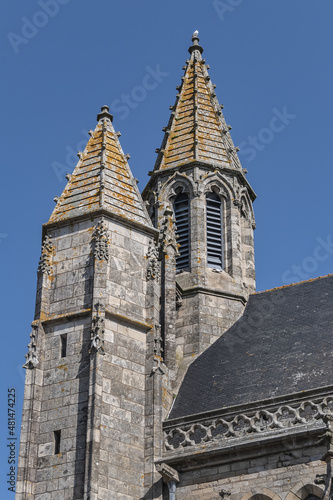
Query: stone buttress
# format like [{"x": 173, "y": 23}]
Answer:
[
  {"x": 95, "y": 352},
  {"x": 199, "y": 178}
]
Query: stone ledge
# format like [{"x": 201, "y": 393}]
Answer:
[
  {"x": 223, "y": 430},
  {"x": 154, "y": 233},
  {"x": 113, "y": 315},
  {"x": 212, "y": 454},
  {"x": 211, "y": 291}
]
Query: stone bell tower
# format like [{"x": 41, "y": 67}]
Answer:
[
  {"x": 199, "y": 179},
  {"x": 128, "y": 297},
  {"x": 84, "y": 418}
]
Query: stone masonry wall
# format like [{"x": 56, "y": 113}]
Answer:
[
  {"x": 121, "y": 463},
  {"x": 66, "y": 298},
  {"x": 202, "y": 319},
  {"x": 63, "y": 407},
  {"x": 269, "y": 475}
]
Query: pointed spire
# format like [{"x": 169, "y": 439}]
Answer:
[
  {"x": 197, "y": 130},
  {"x": 102, "y": 179}
]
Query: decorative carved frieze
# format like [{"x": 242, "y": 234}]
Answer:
[
  {"x": 97, "y": 329},
  {"x": 32, "y": 354},
  {"x": 101, "y": 242},
  {"x": 242, "y": 425},
  {"x": 45, "y": 260},
  {"x": 153, "y": 271}
]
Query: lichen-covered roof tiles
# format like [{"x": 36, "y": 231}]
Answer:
[
  {"x": 102, "y": 179},
  {"x": 197, "y": 129}
]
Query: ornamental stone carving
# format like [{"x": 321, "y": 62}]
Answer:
[
  {"x": 97, "y": 329},
  {"x": 101, "y": 242},
  {"x": 168, "y": 236},
  {"x": 45, "y": 260},
  {"x": 158, "y": 351},
  {"x": 32, "y": 355},
  {"x": 152, "y": 258},
  {"x": 328, "y": 436},
  {"x": 242, "y": 425}
]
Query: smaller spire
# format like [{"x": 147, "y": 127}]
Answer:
[
  {"x": 195, "y": 45},
  {"x": 104, "y": 113}
]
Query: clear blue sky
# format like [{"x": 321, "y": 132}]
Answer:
[{"x": 63, "y": 59}]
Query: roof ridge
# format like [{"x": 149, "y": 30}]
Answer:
[{"x": 292, "y": 284}]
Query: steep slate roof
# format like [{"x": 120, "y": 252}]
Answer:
[
  {"x": 102, "y": 179},
  {"x": 197, "y": 129},
  {"x": 281, "y": 345}
]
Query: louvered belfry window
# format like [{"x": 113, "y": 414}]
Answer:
[
  {"x": 181, "y": 211},
  {"x": 214, "y": 231}
]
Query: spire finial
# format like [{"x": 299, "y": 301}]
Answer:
[
  {"x": 104, "y": 113},
  {"x": 195, "y": 45}
]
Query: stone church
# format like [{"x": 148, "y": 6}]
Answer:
[{"x": 154, "y": 369}]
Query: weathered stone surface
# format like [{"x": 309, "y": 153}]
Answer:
[{"x": 117, "y": 326}]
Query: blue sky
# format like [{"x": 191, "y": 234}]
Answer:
[{"x": 63, "y": 59}]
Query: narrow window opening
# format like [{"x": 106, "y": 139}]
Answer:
[
  {"x": 63, "y": 340},
  {"x": 214, "y": 231},
  {"x": 57, "y": 440},
  {"x": 181, "y": 210}
]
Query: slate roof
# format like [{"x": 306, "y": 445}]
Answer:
[
  {"x": 281, "y": 345},
  {"x": 197, "y": 129},
  {"x": 102, "y": 179}
]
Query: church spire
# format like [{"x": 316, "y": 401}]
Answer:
[
  {"x": 197, "y": 130},
  {"x": 102, "y": 179}
]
